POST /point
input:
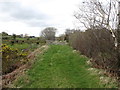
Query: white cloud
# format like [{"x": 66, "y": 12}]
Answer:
[{"x": 31, "y": 16}]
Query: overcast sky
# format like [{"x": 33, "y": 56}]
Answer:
[{"x": 32, "y": 16}]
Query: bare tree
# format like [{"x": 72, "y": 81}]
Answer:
[
  {"x": 94, "y": 13},
  {"x": 49, "y": 33},
  {"x": 118, "y": 41},
  {"x": 98, "y": 14}
]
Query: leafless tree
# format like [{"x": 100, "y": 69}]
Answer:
[
  {"x": 96, "y": 14},
  {"x": 118, "y": 40},
  {"x": 49, "y": 33}
]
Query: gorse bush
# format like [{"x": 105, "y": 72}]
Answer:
[
  {"x": 11, "y": 58},
  {"x": 9, "y": 53},
  {"x": 15, "y": 50},
  {"x": 8, "y": 57}
]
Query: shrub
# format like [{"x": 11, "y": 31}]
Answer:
[
  {"x": 37, "y": 42},
  {"x": 8, "y": 57},
  {"x": 12, "y": 42},
  {"x": 11, "y": 58},
  {"x": 96, "y": 44}
]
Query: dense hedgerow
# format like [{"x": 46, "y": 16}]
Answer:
[{"x": 96, "y": 44}]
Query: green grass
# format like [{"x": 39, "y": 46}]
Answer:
[
  {"x": 24, "y": 46},
  {"x": 59, "y": 67},
  {"x": 20, "y": 46},
  {"x": 26, "y": 38},
  {"x": 20, "y": 38}
]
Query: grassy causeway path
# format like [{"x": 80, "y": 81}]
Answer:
[{"x": 59, "y": 67}]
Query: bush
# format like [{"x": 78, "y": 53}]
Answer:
[
  {"x": 10, "y": 58},
  {"x": 96, "y": 44}
]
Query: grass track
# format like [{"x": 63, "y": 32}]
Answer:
[{"x": 59, "y": 67}]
